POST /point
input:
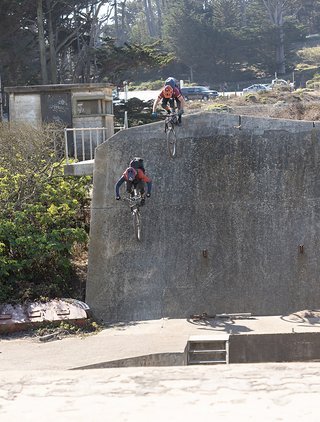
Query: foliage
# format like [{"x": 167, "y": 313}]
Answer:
[
  {"x": 40, "y": 214},
  {"x": 310, "y": 55},
  {"x": 67, "y": 328},
  {"x": 121, "y": 63},
  {"x": 206, "y": 41},
  {"x": 148, "y": 85}
]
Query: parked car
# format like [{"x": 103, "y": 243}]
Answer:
[
  {"x": 279, "y": 83},
  {"x": 198, "y": 93},
  {"x": 257, "y": 88}
]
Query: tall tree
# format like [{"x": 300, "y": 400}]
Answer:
[
  {"x": 42, "y": 46},
  {"x": 277, "y": 10}
]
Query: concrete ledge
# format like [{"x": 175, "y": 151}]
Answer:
[
  {"x": 279, "y": 347},
  {"x": 153, "y": 359},
  {"x": 83, "y": 168}
]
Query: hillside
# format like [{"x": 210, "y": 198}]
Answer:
[{"x": 298, "y": 105}]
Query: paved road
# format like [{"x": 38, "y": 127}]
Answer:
[
  {"x": 151, "y": 95},
  {"x": 142, "y": 95}
]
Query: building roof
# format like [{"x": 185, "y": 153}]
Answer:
[{"x": 57, "y": 87}]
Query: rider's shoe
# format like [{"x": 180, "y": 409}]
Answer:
[{"x": 142, "y": 202}]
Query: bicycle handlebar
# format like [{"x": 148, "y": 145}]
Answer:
[{"x": 133, "y": 200}]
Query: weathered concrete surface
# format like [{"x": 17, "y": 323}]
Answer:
[
  {"x": 249, "y": 196},
  {"x": 242, "y": 393},
  {"x": 35, "y": 380}
]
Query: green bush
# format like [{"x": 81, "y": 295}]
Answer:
[
  {"x": 145, "y": 86},
  {"x": 40, "y": 216}
]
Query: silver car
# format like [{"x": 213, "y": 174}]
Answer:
[{"x": 256, "y": 88}]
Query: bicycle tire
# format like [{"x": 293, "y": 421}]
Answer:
[
  {"x": 171, "y": 141},
  {"x": 137, "y": 224}
]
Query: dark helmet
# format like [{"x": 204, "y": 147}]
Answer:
[
  {"x": 130, "y": 174},
  {"x": 170, "y": 81}
]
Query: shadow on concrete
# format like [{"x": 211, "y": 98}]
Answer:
[
  {"x": 122, "y": 325},
  {"x": 303, "y": 319},
  {"x": 225, "y": 325}
]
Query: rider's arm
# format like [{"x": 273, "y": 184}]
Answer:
[
  {"x": 182, "y": 101},
  {"x": 142, "y": 176},
  {"x": 177, "y": 94},
  {"x": 118, "y": 184},
  {"x": 149, "y": 187},
  {"x": 155, "y": 104}
]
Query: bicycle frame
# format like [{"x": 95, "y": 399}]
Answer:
[
  {"x": 170, "y": 122},
  {"x": 135, "y": 203}
]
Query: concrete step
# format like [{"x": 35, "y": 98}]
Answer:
[{"x": 207, "y": 350}]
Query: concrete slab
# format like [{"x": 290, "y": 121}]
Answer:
[
  {"x": 242, "y": 393},
  {"x": 35, "y": 380},
  {"x": 134, "y": 339}
]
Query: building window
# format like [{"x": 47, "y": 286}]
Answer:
[{"x": 90, "y": 107}]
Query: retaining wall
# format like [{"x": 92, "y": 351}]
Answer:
[{"x": 233, "y": 224}]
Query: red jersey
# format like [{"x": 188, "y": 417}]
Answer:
[
  {"x": 139, "y": 176},
  {"x": 176, "y": 94}
]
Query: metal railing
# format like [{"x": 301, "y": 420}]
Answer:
[{"x": 80, "y": 143}]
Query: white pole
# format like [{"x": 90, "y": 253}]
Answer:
[{"x": 125, "y": 83}]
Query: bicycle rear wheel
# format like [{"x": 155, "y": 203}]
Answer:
[
  {"x": 137, "y": 224},
  {"x": 171, "y": 141}
]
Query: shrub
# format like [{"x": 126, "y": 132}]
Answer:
[{"x": 39, "y": 215}]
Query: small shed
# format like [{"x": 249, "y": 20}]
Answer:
[
  {"x": 71, "y": 105},
  {"x": 84, "y": 111}
]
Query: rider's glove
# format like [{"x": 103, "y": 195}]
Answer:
[
  {"x": 148, "y": 195},
  {"x": 154, "y": 114},
  {"x": 181, "y": 111},
  {"x": 117, "y": 198}
]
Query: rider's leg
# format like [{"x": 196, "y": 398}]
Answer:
[
  {"x": 165, "y": 105},
  {"x": 129, "y": 187},
  {"x": 179, "y": 108},
  {"x": 141, "y": 188}
]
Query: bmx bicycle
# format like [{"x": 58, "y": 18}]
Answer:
[
  {"x": 170, "y": 122},
  {"x": 134, "y": 202}
]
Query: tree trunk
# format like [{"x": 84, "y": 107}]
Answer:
[
  {"x": 159, "y": 23},
  {"x": 275, "y": 10},
  {"x": 53, "y": 57},
  {"x": 123, "y": 22},
  {"x": 152, "y": 19},
  {"x": 280, "y": 55},
  {"x": 116, "y": 24},
  {"x": 148, "y": 19},
  {"x": 243, "y": 12},
  {"x": 42, "y": 47}
]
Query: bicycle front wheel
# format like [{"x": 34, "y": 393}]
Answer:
[
  {"x": 137, "y": 224},
  {"x": 172, "y": 142}
]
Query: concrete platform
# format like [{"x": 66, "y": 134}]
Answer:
[
  {"x": 36, "y": 380},
  {"x": 123, "y": 341}
]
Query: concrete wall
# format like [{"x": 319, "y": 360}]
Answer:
[
  {"x": 297, "y": 347},
  {"x": 25, "y": 108},
  {"x": 249, "y": 196}
]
